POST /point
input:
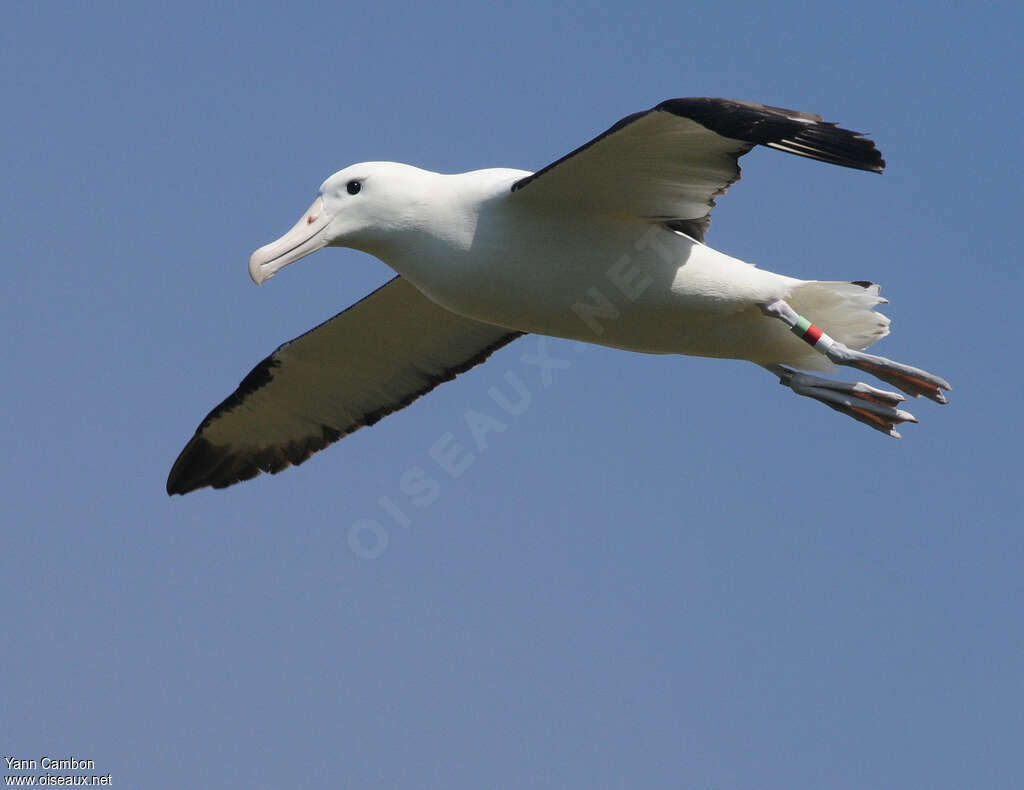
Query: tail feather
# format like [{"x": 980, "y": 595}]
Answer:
[{"x": 843, "y": 310}]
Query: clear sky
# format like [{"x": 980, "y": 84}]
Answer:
[{"x": 666, "y": 572}]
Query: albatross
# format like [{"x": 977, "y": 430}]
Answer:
[{"x": 605, "y": 245}]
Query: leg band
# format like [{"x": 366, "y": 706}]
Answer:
[{"x": 812, "y": 335}]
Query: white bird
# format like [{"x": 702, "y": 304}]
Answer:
[{"x": 605, "y": 245}]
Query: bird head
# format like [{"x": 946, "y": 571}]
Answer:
[{"x": 362, "y": 207}]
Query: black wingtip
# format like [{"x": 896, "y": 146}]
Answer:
[
  {"x": 792, "y": 131},
  {"x": 185, "y": 475},
  {"x": 203, "y": 464}
]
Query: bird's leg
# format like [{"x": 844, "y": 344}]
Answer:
[
  {"x": 911, "y": 380},
  {"x": 866, "y": 404}
]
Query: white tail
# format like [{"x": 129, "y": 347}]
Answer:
[{"x": 844, "y": 310}]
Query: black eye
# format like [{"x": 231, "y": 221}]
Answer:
[{"x": 353, "y": 187}]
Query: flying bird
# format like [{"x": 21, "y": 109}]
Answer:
[{"x": 605, "y": 245}]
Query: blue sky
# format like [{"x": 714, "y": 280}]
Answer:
[{"x": 666, "y": 572}]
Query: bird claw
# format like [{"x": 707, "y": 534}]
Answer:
[
  {"x": 874, "y": 407},
  {"x": 911, "y": 380}
]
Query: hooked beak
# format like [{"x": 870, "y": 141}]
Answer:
[{"x": 307, "y": 236}]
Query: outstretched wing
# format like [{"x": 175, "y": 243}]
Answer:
[
  {"x": 374, "y": 358},
  {"x": 669, "y": 163}
]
